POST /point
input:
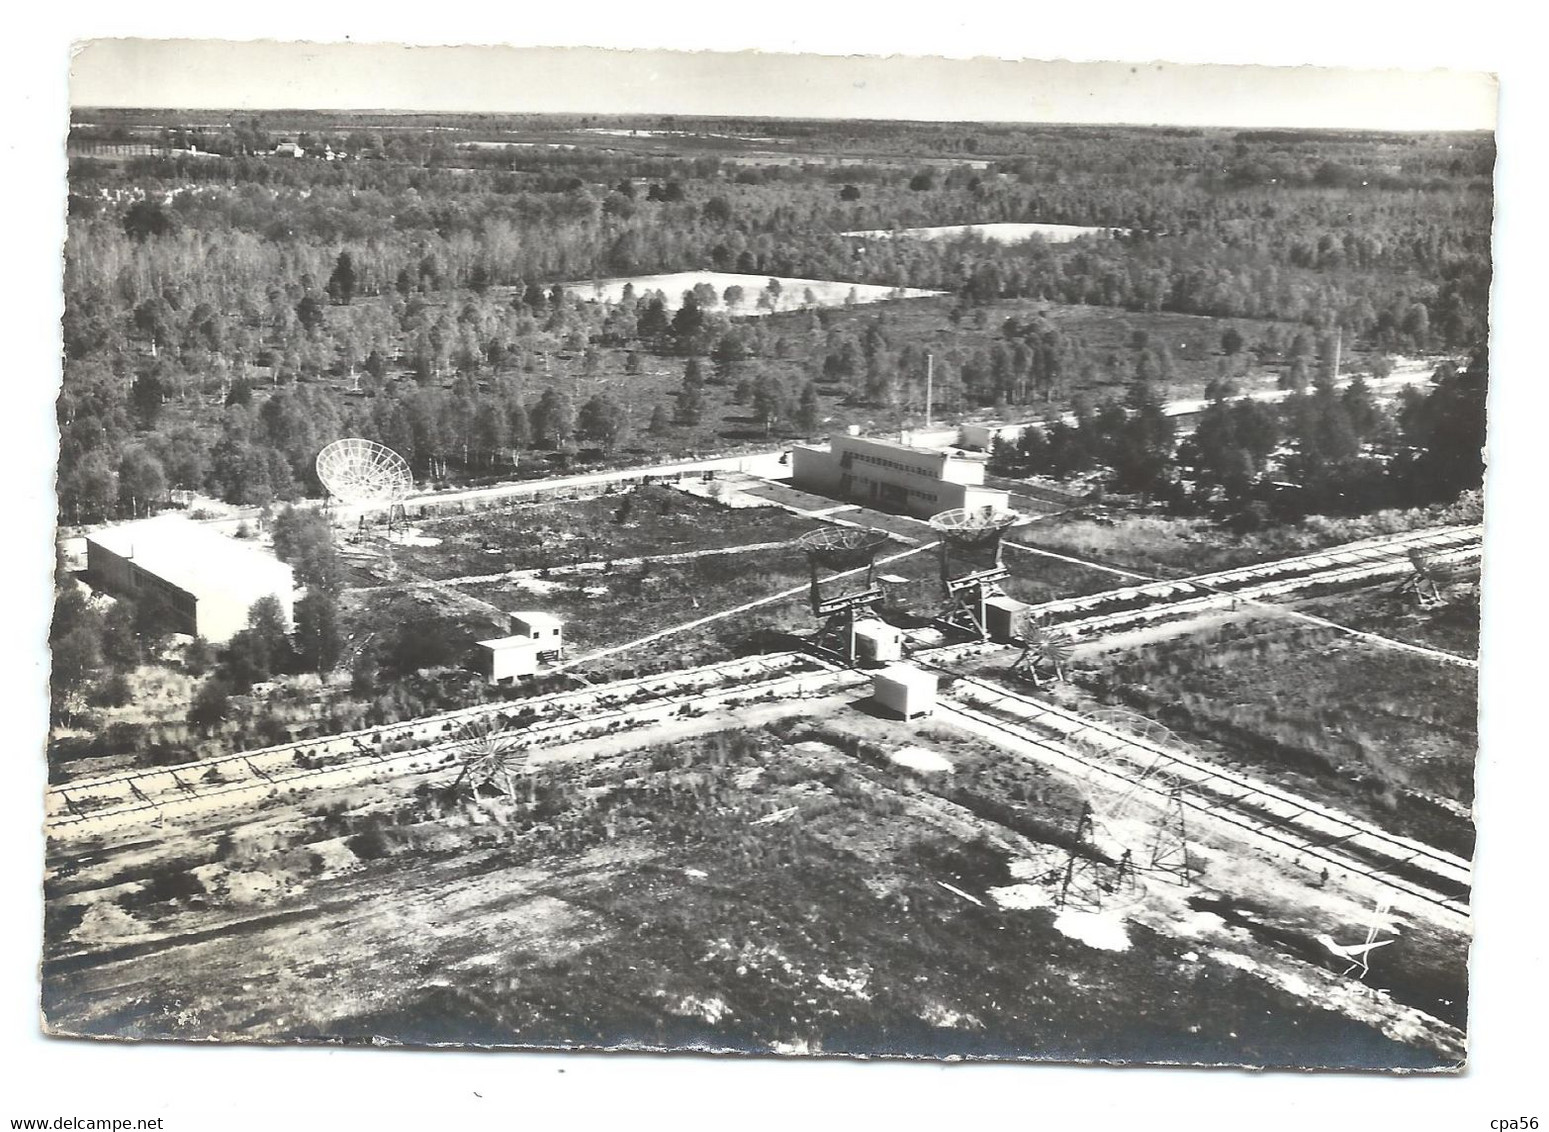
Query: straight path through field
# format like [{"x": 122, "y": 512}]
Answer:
[
  {"x": 592, "y": 566},
  {"x": 783, "y": 595},
  {"x": 135, "y": 798},
  {"x": 1114, "y": 570},
  {"x": 1361, "y": 635}
]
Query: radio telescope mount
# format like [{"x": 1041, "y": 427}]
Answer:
[
  {"x": 363, "y": 473},
  {"x": 971, "y": 566},
  {"x": 845, "y": 550}
]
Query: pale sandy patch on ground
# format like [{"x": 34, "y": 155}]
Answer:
[
  {"x": 1095, "y": 929},
  {"x": 920, "y": 759},
  {"x": 1017, "y": 897},
  {"x": 535, "y": 585},
  {"x": 104, "y": 923},
  {"x": 1002, "y": 232},
  {"x": 852, "y": 982},
  {"x": 792, "y": 295},
  {"x": 712, "y": 1010}
]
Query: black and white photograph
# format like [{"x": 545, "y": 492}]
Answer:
[{"x": 790, "y": 555}]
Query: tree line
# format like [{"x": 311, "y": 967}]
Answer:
[{"x": 1322, "y": 450}]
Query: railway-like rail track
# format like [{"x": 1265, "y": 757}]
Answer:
[
  {"x": 1122, "y": 763},
  {"x": 100, "y": 804},
  {"x": 1129, "y": 607},
  {"x": 1350, "y": 564}
]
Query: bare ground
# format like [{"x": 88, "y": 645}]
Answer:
[{"x": 782, "y": 887}]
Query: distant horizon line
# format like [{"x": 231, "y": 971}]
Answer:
[
  {"x": 1237, "y": 128},
  {"x": 394, "y": 80}
]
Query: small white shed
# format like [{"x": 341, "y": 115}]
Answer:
[
  {"x": 877, "y": 642},
  {"x": 904, "y": 690},
  {"x": 503, "y": 659}
]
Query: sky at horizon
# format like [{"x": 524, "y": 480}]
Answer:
[{"x": 273, "y": 75}]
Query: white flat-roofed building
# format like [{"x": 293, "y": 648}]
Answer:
[
  {"x": 206, "y": 581},
  {"x": 893, "y": 476},
  {"x": 504, "y": 659},
  {"x": 981, "y": 437},
  {"x": 544, "y": 630},
  {"x": 904, "y": 690}
]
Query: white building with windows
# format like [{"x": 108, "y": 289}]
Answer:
[
  {"x": 893, "y": 476},
  {"x": 543, "y": 630}
]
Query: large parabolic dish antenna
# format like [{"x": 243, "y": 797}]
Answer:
[
  {"x": 971, "y": 527},
  {"x": 842, "y": 548},
  {"x": 364, "y": 473}
]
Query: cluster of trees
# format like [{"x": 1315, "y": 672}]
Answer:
[
  {"x": 1033, "y": 361},
  {"x": 95, "y": 648},
  {"x": 1291, "y": 247},
  {"x": 1324, "y": 450},
  {"x": 207, "y": 299},
  {"x": 269, "y": 646},
  {"x": 1133, "y": 439},
  {"x": 123, "y": 450},
  {"x": 774, "y": 400}
]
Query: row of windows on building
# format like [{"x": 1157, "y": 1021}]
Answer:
[
  {"x": 908, "y": 469},
  {"x": 176, "y": 597}
]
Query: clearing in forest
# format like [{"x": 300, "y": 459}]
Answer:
[
  {"x": 758, "y": 297},
  {"x": 1002, "y": 233}
]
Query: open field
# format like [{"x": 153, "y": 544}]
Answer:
[
  {"x": 782, "y": 887},
  {"x": 645, "y": 521},
  {"x": 642, "y": 597},
  {"x": 675, "y": 558},
  {"x": 791, "y": 295},
  {"x": 1451, "y": 628},
  {"x": 1000, "y": 233},
  {"x": 1383, "y": 734},
  {"x": 604, "y": 609}
]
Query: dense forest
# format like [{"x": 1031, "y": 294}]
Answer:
[
  {"x": 228, "y": 311},
  {"x": 1323, "y": 450}
]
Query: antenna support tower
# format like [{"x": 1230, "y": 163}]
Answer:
[
  {"x": 1169, "y": 840},
  {"x": 1089, "y": 878},
  {"x": 1434, "y": 582},
  {"x": 971, "y": 537},
  {"x": 842, "y": 550},
  {"x": 362, "y": 473}
]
